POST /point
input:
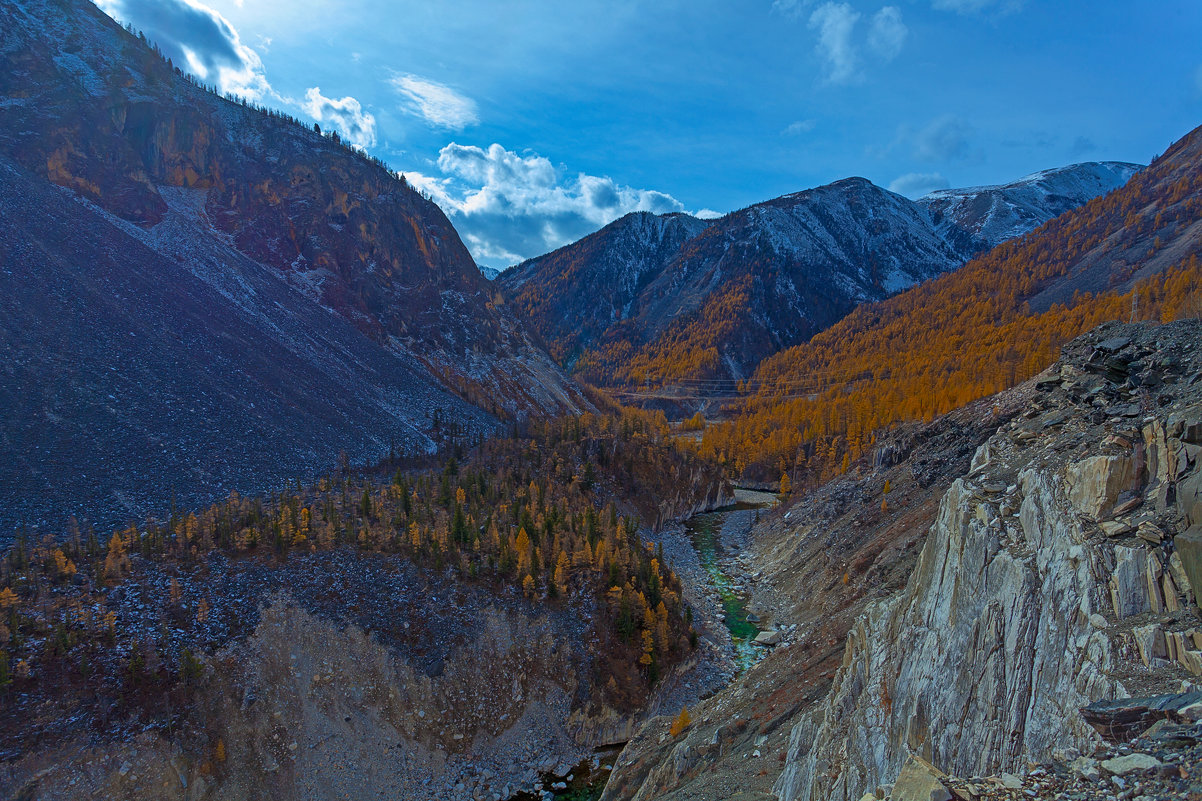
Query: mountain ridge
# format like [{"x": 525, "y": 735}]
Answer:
[
  {"x": 314, "y": 257},
  {"x": 786, "y": 267}
]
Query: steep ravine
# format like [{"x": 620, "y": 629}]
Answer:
[{"x": 1053, "y": 575}]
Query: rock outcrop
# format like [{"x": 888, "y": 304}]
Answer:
[{"x": 1048, "y": 581}]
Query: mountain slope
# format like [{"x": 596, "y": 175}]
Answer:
[
  {"x": 323, "y": 304},
  {"x": 573, "y": 295},
  {"x": 982, "y": 217},
  {"x": 654, "y": 301},
  {"x": 989, "y": 325},
  {"x": 769, "y": 276}
]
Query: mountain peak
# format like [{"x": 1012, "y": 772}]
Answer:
[{"x": 978, "y": 218}]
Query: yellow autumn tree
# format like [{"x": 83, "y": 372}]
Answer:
[
  {"x": 562, "y": 569},
  {"x": 682, "y": 722},
  {"x": 116, "y": 563}
]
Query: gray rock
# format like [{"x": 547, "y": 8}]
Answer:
[
  {"x": 919, "y": 781},
  {"x": 767, "y": 638},
  {"x": 1188, "y": 545},
  {"x": 1086, "y": 768},
  {"x": 1113, "y": 344},
  {"x": 1131, "y": 763}
]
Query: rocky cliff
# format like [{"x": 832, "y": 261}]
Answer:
[
  {"x": 958, "y": 596},
  {"x": 1049, "y": 580},
  {"x": 334, "y": 674}
]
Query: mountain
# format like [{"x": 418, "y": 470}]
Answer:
[
  {"x": 675, "y": 299},
  {"x": 220, "y": 298},
  {"x": 1133, "y": 253},
  {"x": 982, "y": 217},
  {"x": 575, "y": 294}
]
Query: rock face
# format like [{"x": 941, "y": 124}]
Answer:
[
  {"x": 1020, "y": 610},
  {"x": 215, "y": 297}
]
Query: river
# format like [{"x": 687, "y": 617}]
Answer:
[{"x": 705, "y": 531}]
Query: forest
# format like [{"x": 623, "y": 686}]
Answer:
[
  {"x": 813, "y": 409},
  {"x": 548, "y": 514}
]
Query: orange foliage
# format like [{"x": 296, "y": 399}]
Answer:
[{"x": 970, "y": 333}]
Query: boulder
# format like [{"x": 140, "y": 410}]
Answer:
[
  {"x": 1131, "y": 763},
  {"x": 767, "y": 638},
  {"x": 1096, "y": 483},
  {"x": 1125, "y": 718},
  {"x": 1187, "y": 425},
  {"x": 919, "y": 780}
]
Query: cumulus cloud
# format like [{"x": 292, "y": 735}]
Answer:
[
  {"x": 345, "y": 115},
  {"x": 438, "y": 103},
  {"x": 916, "y": 184},
  {"x": 945, "y": 138},
  {"x": 197, "y": 39},
  {"x": 509, "y": 206},
  {"x": 835, "y": 23},
  {"x": 800, "y": 127},
  {"x": 887, "y": 33}
]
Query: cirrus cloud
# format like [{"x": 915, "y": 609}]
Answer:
[
  {"x": 437, "y": 103},
  {"x": 835, "y": 24},
  {"x": 840, "y": 49},
  {"x": 198, "y": 39},
  {"x": 510, "y": 206},
  {"x": 887, "y": 33}
]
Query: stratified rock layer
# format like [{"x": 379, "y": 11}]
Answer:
[{"x": 1021, "y": 609}]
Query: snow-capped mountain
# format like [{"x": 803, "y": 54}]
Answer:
[
  {"x": 666, "y": 298},
  {"x": 574, "y": 294},
  {"x": 982, "y": 217}
]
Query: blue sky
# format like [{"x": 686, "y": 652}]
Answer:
[{"x": 534, "y": 123}]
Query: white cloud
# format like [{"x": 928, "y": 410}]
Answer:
[
  {"x": 977, "y": 6},
  {"x": 839, "y": 47},
  {"x": 509, "y": 206},
  {"x": 916, "y": 184},
  {"x": 708, "y": 214},
  {"x": 791, "y": 8},
  {"x": 887, "y": 33},
  {"x": 439, "y": 104},
  {"x": 800, "y": 127},
  {"x": 835, "y": 23},
  {"x": 945, "y": 138},
  {"x": 345, "y": 115},
  {"x": 199, "y": 39}
]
